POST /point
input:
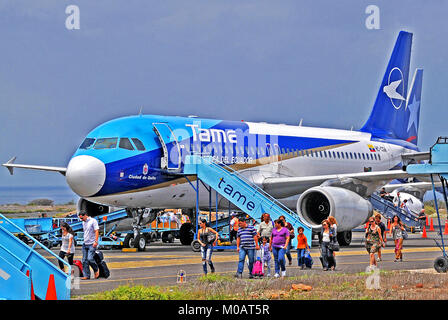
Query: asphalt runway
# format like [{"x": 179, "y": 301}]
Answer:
[{"x": 161, "y": 262}]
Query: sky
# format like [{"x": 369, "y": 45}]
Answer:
[{"x": 255, "y": 60}]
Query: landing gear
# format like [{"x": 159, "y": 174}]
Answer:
[
  {"x": 344, "y": 238},
  {"x": 140, "y": 216}
]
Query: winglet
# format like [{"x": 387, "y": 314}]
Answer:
[{"x": 11, "y": 161}]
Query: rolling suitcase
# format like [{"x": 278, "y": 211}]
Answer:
[
  {"x": 308, "y": 260},
  {"x": 102, "y": 266}
]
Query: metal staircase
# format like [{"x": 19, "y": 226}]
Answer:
[
  {"x": 242, "y": 193},
  {"x": 21, "y": 267},
  {"x": 388, "y": 210}
]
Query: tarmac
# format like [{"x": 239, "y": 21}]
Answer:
[{"x": 160, "y": 263}]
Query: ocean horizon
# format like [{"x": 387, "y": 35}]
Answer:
[{"x": 25, "y": 194}]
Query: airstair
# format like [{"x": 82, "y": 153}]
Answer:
[
  {"x": 22, "y": 268},
  {"x": 388, "y": 210},
  {"x": 242, "y": 193}
]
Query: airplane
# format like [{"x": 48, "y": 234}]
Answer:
[{"x": 136, "y": 162}]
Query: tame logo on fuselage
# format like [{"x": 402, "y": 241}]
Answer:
[
  {"x": 212, "y": 135},
  {"x": 240, "y": 199}
]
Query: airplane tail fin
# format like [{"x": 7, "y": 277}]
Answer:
[
  {"x": 413, "y": 108},
  {"x": 389, "y": 119}
]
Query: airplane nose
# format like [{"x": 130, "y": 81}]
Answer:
[{"x": 85, "y": 175}]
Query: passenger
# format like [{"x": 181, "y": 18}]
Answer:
[
  {"x": 326, "y": 236},
  {"x": 396, "y": 229},
  {"x": 266, "y": 226},
  {"x": 334, "y": 227},
  {"x": 374, "y": 240},
  {"x": 91, "y": 234},
  {"x": 246, "y": 243},
  {"x": 422, "y": 219},
  {"x": 382, "y": 226},
  {"x": 266, "y": 256},
  {"x": 233, "y": 227},
  {"x": 397, "y": 200},
  {"x": 302, "y": 246},
  {"x": 291, "y": 236},
  {"x": 385, "y": 195},
  {"x": 279, "y": 243},
  {"x": 207, "y": 237},
  {"x": 68, "y": 245}
]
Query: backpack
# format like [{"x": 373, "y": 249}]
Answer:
[{"x": 257, "y": 270}]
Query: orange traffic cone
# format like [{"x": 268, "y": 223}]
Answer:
[
  {"x": 427, "y": 221},
  {"x": 424, "y": 233},
  {"x": 33, "y": 297},
  {"x": 51, "y": 290},
  {"x": 446, "y": 227},
  {"x": 388, "y": 224},
  {"x": 431, "y": 228}
]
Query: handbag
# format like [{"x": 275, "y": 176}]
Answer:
[
  {"x": 211, "y": 237},
  {"x": 405, "y": 234},
  {"x": 333, "y": 246}
]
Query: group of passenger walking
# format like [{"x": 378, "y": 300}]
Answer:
[{"x": 272, "y": 241}]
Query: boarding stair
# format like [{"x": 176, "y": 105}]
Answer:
[
  {"x": 242, "y": 193},
  {"x": 388, "y": 210},
  {"x": 24, "y": 271}
]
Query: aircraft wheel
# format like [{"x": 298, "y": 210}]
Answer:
[
  {"x": 140, "y": 242},
  {"x": 344, "y": 238},
  {"x": 196, "y": 246},
  {"x": 128, "y": 241},
  {"x": 441, "y": 264}
]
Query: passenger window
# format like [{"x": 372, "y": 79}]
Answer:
[
  {"x": 106, "y": 143},
  {"x": 363, "y": 156},
  {"x": 379, "y": 157},
  {"x": 87, "y": 143},
  {"x": 138, "y": 144},
  {"x": 125, "y": 144}
]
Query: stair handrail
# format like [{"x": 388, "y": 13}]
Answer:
[
  {"x": 388, "y": 204},
  {"x": 222, "y": 165},
  {"x": 36, "y": 242}
]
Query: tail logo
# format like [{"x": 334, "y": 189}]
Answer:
[{"x": 391, "y": 88}]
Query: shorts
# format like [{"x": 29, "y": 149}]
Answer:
[{"x": 372, "y": 247}]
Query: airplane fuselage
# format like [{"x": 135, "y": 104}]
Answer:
[{"x": 143, "y": 157}]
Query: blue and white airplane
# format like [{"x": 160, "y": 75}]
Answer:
[{"x": 135, "y": 162}]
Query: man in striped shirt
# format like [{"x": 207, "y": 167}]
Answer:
[{"x": 246, "y": 244}]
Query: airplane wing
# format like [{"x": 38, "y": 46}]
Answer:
[
  {"x": 10, "y": 165},
  {"x": 416, "y": 156},
  {"x": 289, "y": 186}
]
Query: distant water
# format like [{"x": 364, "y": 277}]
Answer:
[{"x": 23, "y": 195}]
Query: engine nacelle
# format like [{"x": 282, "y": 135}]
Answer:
[
  {"x": 92, "y": 209},
  {"x": 349, "y": 209}
]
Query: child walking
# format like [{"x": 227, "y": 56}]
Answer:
[
  {"x": 266, "y": 256},
  {"x": 302, "y": 246}
]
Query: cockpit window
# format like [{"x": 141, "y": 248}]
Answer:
[
  {"x": 106, "y": 143},
  {"x": 138, "y": 144},
  {"x": 87, "y": 143},
  {"x": 125, "y": 144}
]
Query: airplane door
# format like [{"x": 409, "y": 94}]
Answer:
[{"x": 171, "y": 159}]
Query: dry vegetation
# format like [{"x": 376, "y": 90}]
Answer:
[{"x": 393, "y": 286}]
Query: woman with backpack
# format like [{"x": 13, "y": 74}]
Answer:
[{"x": 207, "y": 237}]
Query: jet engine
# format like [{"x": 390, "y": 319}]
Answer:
[
  {"x": 92, "y": 209},
  {"x": 349, "y": 209}
]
